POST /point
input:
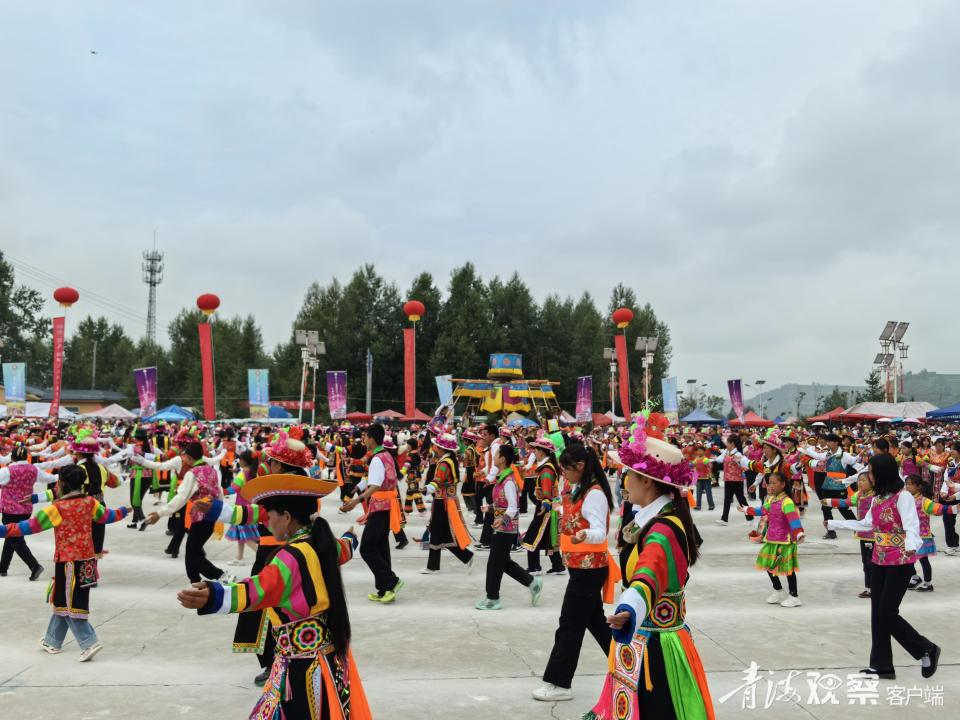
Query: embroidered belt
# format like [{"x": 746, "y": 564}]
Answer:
[
  {"x": 669, "y": 614},
  {"x": 896, "y": 540},
  {"x": 305, "y": 638}
]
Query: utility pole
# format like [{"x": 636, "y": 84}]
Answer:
[
  {"x": 152, "y": 267},
  {"x": 93, "y": 374},
  {"x": 369, "y": 404}
]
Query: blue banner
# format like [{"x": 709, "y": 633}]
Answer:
[
  {"x": 445, "y": 389},
  {"x": 671, "y": 407},
  {"x": 15, "y": 388},
  {"x": 258, "y": 391}
]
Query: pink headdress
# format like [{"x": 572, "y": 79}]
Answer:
[{"x": 646, "y": 454}]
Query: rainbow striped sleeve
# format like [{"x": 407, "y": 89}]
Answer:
[
  {"x": 223, "y": 512},
  {"x": 932, "y": 508},
  {"x": 755, "y": 511},
  {"x": 105, "y": 516},
  {"x": 45, "y": 496},
  {"x": 348, "y": 544},
  {"x": 789, "y": 508},
  {"x": 281, "y": 585},
  {"x": 46, "y": 518},
  {"x": 662, "y": 564}
]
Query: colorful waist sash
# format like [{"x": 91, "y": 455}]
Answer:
[
  {"x": 668, "y": 615},
  {"x": 305, "y": 638}
]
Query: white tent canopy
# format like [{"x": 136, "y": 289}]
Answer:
[
  {"x": 112, "y": 411},
  {"x": 892, "y": 410}
]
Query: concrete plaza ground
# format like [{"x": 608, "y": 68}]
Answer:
[{"x": 431, "y": 655}]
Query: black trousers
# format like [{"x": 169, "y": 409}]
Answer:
[
  {"x": 195, "y": 560},
  {"x": 484, "y": 493},
  {"x": 950, "y": 528},
  {"x": 732, "y": 490},
  {"x": 582, "y": 610},
  {"x": 866, "y": 557},
  {"x": 375, "y": 550},
  {"x": 528, "y": 493},
  {"x": 16, "y": 545},
  {"x": 791, "y": 582},
  {"x": 500, "y": 562},
  {"x": 888, "y": 585},
  {"x": 433, "y": 557},
  {"x": 826, "y": 493},
  {"x": 179, "y": 530},
  {"x": 533, "y": 560},
  {"x": 487, "y": 533}
]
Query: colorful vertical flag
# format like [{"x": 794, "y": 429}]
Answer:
[
  {"x": 671, "y": 407},
  {"x": 146, "y": 380},
  {"x": 337, "y": 393},
  {"x": 58, "y": 332},
  {"x": 445, "y": 389},
  {"x": 584, "y": 407},
  {"x": 15, "y": 388},
  {"x": 736, "y": 397},
  {"x": 258, "y": 392},
  {"x": 206, "y": 366}
]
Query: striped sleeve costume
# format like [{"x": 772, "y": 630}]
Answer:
[{"x": 655, "y": 670}]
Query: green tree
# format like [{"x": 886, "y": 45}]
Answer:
[
  {"x": 114, "y": 351},
  {"x": 24, "y": 332},
  {"x": 644, "y": 324},
  {"x": 836, "y": 398},
  {"x": 874, "y": 391},
  {"x": 463, "y": 342},
  {"x": 424, "y": 290}
]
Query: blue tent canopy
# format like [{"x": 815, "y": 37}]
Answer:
[
  {"x": 948, "y": 413},
  {"x": 701, "y": 417},
  {"x": 171, "y": 413},
  {"x": 522, "y": 422},
  {"x": 278, "y": 412}
]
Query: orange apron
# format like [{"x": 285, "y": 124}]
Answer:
[
  {"x": 394, "y": 500},
  {"x": 613, "y": 566}
]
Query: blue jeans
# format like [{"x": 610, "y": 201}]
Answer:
[
  {"x": 82, "y": 630},
  {"x": 703, "y": 486}
]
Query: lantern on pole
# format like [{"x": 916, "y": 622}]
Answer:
[
  {"x": 621, "y": 318},
  {"x": 65, "y": 297},
  {"x": 414, "y": 310},
  {"x": 208, "y": 304}
]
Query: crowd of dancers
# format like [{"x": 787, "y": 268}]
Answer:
[{"x": 609, "y": 510}]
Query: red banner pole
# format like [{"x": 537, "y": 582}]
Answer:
[
  {"x": 409, "y": 371},
  {"x": 620, "y": 340},
  {"x": 58, "y": 333},
  {"x": 206, "y": 366}
]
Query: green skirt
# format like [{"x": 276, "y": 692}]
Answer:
[{"x": 778, "y": 558}]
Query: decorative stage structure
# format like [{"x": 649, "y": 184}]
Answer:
[{"x": 506, "y": 391}]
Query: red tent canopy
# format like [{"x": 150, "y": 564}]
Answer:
[
  {"x": 751, "y": 419},
  {"x": 418, "y": 416},
  {"x": 389, "y": 414},
  {"x": 359, "y": 417},
  {"x": 601, "y": 420},
  {"x": 832, "y": 416}
]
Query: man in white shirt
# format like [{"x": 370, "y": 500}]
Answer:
[{"x": 491, "y": 440}]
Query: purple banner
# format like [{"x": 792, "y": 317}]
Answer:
[
  {"x": 736, "y": 397},
  {"x": 337, "y": 393},
  {"x": 584, "y": 398},
  {"x": 146, "y": 379}
]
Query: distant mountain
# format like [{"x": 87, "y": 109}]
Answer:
[{"x": 941, "y": 389}]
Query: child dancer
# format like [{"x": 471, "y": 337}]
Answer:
[
  {"x": 701, "y": 464},
  {"x": 922, "y": 494},
  {"x": 778, "y": 555},
  {"x": 70, "y": 517},
  {"x": 411, "y": 473},
  {"x": 861, "y": 501},
  {"x": 243, "y": 535}
]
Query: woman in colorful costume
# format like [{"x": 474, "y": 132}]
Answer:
[
  {"x": 313, "y": 675},
  {"x": 446, "y": 528},
  {"x": 655, "y": 670},
  {"x": 544, "y": 530}
]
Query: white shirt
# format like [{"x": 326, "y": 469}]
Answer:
[
  {"x": 376, "y": 474},
  {"x": 906, "y": 506},
  {"x": 595, "y": 510},
  {"x": 492, "y": 471},
  {"x": 188, "y": 485}
]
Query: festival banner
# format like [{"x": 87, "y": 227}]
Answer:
[
  {"x": 584, "y": 398},
  {"x": 337, "y": 393},
  {"x": 292, "y": 404},
  {"x": 671, "y": 408},
  {"x": 146, "y": 380},
  {"x": 445, "y": 389},
  {"x": 258, "y": 392},
  {"x": 736, "y": 397},
  {"x": 15, "y": 388},
  {"x": 58, "y": 330},
  {"x": 206, "y": 365},
  {"x": 409, "y": 371},
  {"x": 620, "y": 340}
]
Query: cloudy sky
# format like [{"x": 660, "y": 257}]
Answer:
[{"x": 777, "y": 179}]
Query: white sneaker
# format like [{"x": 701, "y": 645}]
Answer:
[
  {"x": 552, "y": 693},
  {"x": 952, "y": 551},
  {"x": 718, "y": 521},
  {"x": 791, "y": 601},
  {"x": 90, "y": 652},
  {"x": 48, "y": 648},
  {"x": 777, "y": 597},
  {"x": 535, "y": 573},
  {"x": 428, "y": 571}
]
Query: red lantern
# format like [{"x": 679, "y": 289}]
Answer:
[
  {"x": 208, "y": 303},
  {"x": 66, "y": 296},
  {"x": 414, "y": 310},
  {"x": 622, "y": 317}
]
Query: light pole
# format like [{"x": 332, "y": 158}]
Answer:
[
  {"x": 692, "y": 394},
  {"x": 310, "y": 347},
  {"x": 761, "y": 383},
  {"x": 892, "y": 351},
  {"x": 611, "y": 355},
  {"x": 648, "y": 346}
]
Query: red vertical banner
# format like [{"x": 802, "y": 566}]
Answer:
[
  {"x": 58, "y": 331},
  {"x": 621, "y": 343},
  {"x": 409, "y": 371},
  {"x": 206, "y": 366}
]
